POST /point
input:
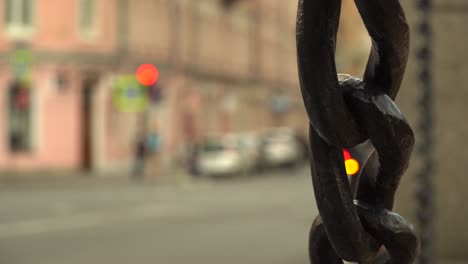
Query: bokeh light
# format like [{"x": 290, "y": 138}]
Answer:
[
  {"x": 147, "y": 74},
  {"x": 352, "y": 166}
]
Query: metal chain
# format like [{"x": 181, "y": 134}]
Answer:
[
  {"x": 344, "y": 111},
  {"x": 425, "y": 148}
]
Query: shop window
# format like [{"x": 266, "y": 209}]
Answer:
[{"x": 19, "y": 118}]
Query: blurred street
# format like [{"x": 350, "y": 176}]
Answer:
[
  {"x": 261, "y": 219},
  {"x": 167, "y": 90}
]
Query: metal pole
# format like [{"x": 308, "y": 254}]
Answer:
[{"x": 425, "y": 194}]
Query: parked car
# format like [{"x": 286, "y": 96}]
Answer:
[
  {"x": 218, "y": 157},
  {"x": 250, "y": 149},
  {"x": 281, "y": 148},
  {"x": 229, "y": 155}
]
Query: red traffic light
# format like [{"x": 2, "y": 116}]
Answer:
[
  {"x": 147, "y": 74},
  {"x": 346, "y": 154}
]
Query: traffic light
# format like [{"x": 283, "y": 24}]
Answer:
[
  {"x": 155, "y": 93},
  {"x": 20, "y": 96},
  {"x": 148, "y": 75}
]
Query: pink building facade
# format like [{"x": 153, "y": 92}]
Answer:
[
  {"x": 219, "y": 67},
  {"x": 69, "y": 59}
]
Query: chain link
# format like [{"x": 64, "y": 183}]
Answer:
[{"x": 356, "y": 225}]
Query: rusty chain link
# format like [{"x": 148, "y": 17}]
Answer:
[{"x": 344, "y": 111}]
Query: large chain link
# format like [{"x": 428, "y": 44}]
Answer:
[{"x": 345, "y": 111}]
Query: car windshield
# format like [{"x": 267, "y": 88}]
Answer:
[{"x": 213, "y": 146}]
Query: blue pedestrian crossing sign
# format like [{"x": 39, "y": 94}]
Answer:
[{"x": 129, "y": 95}]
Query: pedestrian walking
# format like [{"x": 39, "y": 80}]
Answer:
[{"x": 154, "y": 146}]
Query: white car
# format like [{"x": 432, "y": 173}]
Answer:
[
  {"x": 219, "y": 156},
  {"x": 229, "y": 155},
  {"x": 250, "y": 149},
  {"x": 280, "y": 147}
]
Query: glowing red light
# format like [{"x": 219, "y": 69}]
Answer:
[
  {"x": 346, "y": 154},
  {"x": 147, "y": 74},
  {"x": 22, "y": 99}
]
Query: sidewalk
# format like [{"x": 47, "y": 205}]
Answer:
[{"x": 74, "y": 178}]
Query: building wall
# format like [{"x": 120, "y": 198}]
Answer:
[
  {"x": 4, "y": 44},
  {"x": 57, "y": 27},
  {"x": 55, "y": 124},
  {"x": 57, "y": 46}
]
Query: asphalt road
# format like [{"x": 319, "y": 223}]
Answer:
[{"x": 263, "y": 219}]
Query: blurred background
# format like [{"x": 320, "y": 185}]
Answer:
[{"x": 173, "y": 131}]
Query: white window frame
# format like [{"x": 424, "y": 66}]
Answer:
[
  {"x": 91, "y": 33},
  {"x": 15, "y": 28}
]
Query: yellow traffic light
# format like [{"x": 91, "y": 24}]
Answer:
[{"x": 352, "y": 166}]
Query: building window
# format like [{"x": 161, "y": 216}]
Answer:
[
  {"x": 19, "y": 118},
  {"x": 87, "y": 18},
  {"x": 19, "y": 18}
]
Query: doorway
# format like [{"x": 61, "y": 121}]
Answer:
[{"x": 86, "y": 127}]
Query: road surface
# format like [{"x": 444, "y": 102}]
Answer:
[{"x": 263, "y": 219}]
